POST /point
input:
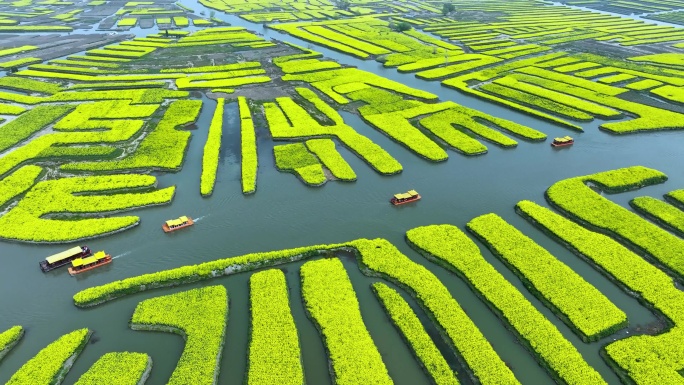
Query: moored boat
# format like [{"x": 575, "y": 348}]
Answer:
[
  {"x": 81, "y": 265},
  {"x": 64, "y": 258},
  {"x": 564, "y": 141},
  {"x": 177, "y": 224},
  {"x": 408, "y": 197}
]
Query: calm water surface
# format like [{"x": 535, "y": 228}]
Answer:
[{"x": 284, "y": 213}]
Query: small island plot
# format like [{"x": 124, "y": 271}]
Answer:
[
  {"x": 81, "y": 265},
  {"x": 400, "y": 199},
  {"x": 564, "y": 141},
  {"x": 62, "y": 259},
  {"x": 177, "y": 224}
]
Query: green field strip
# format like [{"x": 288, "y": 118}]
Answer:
[
  {"x": 642, "y": 85},
  {"x": 385, "y": 260},
  {"x": 462, "y": 86},
  {"x": 210, "y": 155},
  {"x": 638, "y": 358},
  {"x": 575, "y": 67},
  {"x": 408, "y": 323},
  {"x": 616, "y": 78},
  {"x": 304, "y": 126},
  {"x": 271, "y": 320},
  {"x": 16, "y": 50},
  {"x": 53, "y": 362},
  {"x": 664, "y": 214},
  {"x": 249, "y": 160},
  {"x": 536, "y": 101},
  {"x": 449, "y": 247},
  {"x": 297, "y": 159},
  {"x": 61, "y": 196},
  {"x": 10, "y": 337},
  {"x": 332, "y": 305},
  {"x": 572, "y": 80},
  {"x": 162, "y": 149},
  {"x": 200, "y": 317},
  {"x": 29, "y": 85},
  {"x": 122, "y": 368},
  {"x": 442, "y": 125},
  {"x": 30, "y": 122},
  {"x": 540, "y": 89},
  {"x": 574, "y": 197},
  {"x": 579, "y": 304},
  {"x": 325, "y": 150}
]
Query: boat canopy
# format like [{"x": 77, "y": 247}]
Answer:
[
  {"x": 88, "y": 260},
  {"x": 413, "y": 193},
  {"x": 64, "y": 255},
  {"x": 402, "y": 196},
  {"x": 563, "y": 139},
  {"x": 177, "y": 222}
]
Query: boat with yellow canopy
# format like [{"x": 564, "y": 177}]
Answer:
[
  {"x": 563, "y": 141},
  {"x": 177, "y": 224},
  {"x": 81, "y": 265},
  {"x": 409, "y": 196}
]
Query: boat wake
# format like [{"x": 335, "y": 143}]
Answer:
[
  {"x": 200, "y": 218},
  {"x": 121, "y": 255}
]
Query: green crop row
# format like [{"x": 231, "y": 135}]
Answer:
[
  {"x": 162, "y": 149},
  {"x": 676, "y": 197},
  {"x": 577, "y": 302},
  {"x": 450, "y": 247},
  {"x": 326, "y": 80},
  {"x": 217, "y": 68},
  {"x": 379, "y": 257},
  {"x": 413, "y": 331},
  {"x": 53, "y": 362},
  {"x": 9, "y": 339},
  {"x": 465, "y": 62},
  {"x": 29, "y": 85},
  {"x": 664, "y": 214},
  {"x": 121, "y": 130},
  {"x": 325, "y": 150},
  {"x": 332, "y": 305},
  {"x": 10, "y": 109},
  {"x": 645, "y": 359},
  {"x": 521, "y": 83},
  {"x": 306, "y": 65},
  {"x": 84, "y": 63},
  {"x": 15, "y": 50},
  {"x": 18, "y": 183},
  {"x": 536, "y": 101},
  {"x": 19, "y": 62},
  {"x": 248, "y": 148},
  {"x": 91, "y": 116},
  {"x": 574, "y": 197},
  {"x": 28, "y": 123},
  {"x": 200, "y": 317},
  {"x": 210, "y": 156},
  {"x": 305, "y": 126},
  {"x": 121, "y": 368},
  {"x": 26, "y": 222},
  {"x": 296, "y": 158},
  {"x": 294, "y": 30},
  {"x": 186, "y": 274},
  {"x": 117, "y": 85},
  {"x": 274, "y": 352}
]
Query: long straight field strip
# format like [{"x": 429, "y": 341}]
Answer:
[
  {"x": 588, "y": 312},
  {"x": 669, "y": 216},
  {"x": 270, "y": 361},
  {"x": 332, "y": 305},
  {"x": 450, "y": 247}
]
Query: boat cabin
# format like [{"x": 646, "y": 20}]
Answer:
[
  {"x": 174, "y": 223},
  {"x": 563, "y": 141},
  {"x": 409, "y": 196},
  {"x": 80, "y": 265},
  {"x": 64, "y": 258},
  {"x": 177, "y": 224}
]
